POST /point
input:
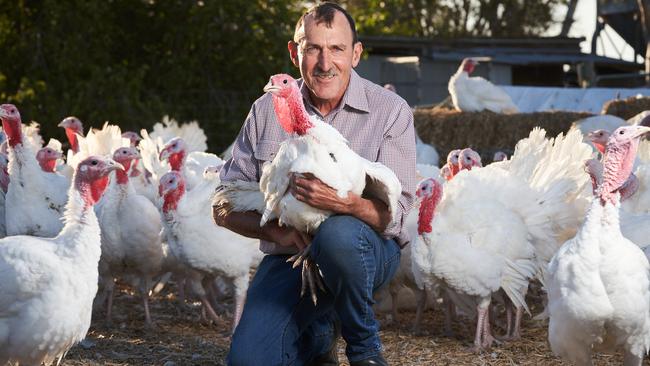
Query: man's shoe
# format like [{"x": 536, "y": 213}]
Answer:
[
  {"x": 331, "y": 357},
  {"x": 372, "y": 361}
]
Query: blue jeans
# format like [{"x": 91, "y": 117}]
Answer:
[{"x": 278, "y": 327}]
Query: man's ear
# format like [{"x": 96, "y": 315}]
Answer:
[
  {"x": 293, "y": 52},
  {"x": 356, "y": 53}
]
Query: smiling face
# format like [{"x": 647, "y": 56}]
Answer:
[{"x": 325, "y": 55}]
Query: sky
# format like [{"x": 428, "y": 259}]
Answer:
[{"x": 584, "y": 25}]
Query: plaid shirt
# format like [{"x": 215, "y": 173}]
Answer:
[{"x": 377, "y": 123}]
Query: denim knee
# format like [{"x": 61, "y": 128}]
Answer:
[{"x": 340, "y": 239}]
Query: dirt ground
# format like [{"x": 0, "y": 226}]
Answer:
[{"x": 181, "y": 338}]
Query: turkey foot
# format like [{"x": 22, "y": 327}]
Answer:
[{"x": 311, "y": 279}]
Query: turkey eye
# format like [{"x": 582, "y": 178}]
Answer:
[
  {"x": 285, "y": 81},
  {"x": 94, "y": 162},
  {"x": 333, "y": 157}
]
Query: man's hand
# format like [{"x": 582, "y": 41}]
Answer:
[
  {"x": 312, "y": 191},
  {"x": 286, "y": 236}
]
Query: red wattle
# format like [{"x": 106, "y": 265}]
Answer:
[
  {"x": 72, "y": 139},
  {"x": 97, "y": 188},
  {"x": 428, "y": 208},
  {"x": 425, "y": 217},
  {"x": 171, "y": 199},
  {"x": 291, "y": 113},
  {"x": 122, "y": 175},
  {"x": 176, "y": 161},
  {"x": 48, "y": 165},
  {"x": 12, "y": 129}
]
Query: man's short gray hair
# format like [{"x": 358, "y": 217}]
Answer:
[{"x": 324, "y": 12}]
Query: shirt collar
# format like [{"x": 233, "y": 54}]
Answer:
[{"x": 354, "y": 96}]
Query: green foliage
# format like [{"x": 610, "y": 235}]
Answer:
[
  {"x": 131, "y": 62},
  {"x": 453, "y": 18}
]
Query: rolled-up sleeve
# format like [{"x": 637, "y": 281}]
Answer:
[{"x": 397, "y": 152}]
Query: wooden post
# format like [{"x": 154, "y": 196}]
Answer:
[
  {"x": 568, "y": 20},
  {"x": 644, "y": 10}
]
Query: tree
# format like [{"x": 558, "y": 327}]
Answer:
[
  {"x": 131, "y": 62},
  {"x": 453, "y": 18}
]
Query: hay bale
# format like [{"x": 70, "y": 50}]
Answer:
[
  {"x": 486, "y": 132},
  {"x": 626, "y": 108}
]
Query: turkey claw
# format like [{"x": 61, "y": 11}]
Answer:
[{"x": 310, "y": 275}]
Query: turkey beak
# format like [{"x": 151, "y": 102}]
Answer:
[
  {"x": 591, "y": 135},
  {"x": 3, "y": 113},
  {"x": 164, "y": 154},
  {"x": 271, "y": 88},
  {"x": 112, "y": 165},
  {"x": 641, "y": 130},
  {"x": 58, "y": 154},
  {"x": 62, "y": 124}
]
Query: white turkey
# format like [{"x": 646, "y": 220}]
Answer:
[
  {"x": 130, "y": 225},
  {"x": 206, "y": 250},
  {"x": 73, "y": 128},
  {"x": 48, "y": 284},
  {"x": 133, "y": 137},
  {"x": 35, "y": 199},
  {"x": 47, "y": 158},
  {"x": 599, "y": 282},
  {"x": 190, "y": 132},
  {"x": 4, "y": 185},
  {"x": 600, "y": 122},
  {"x": 599, "y": 138},
  {"x": 425, "y": 153},
  {"x": 494, "y": 228},
  {"x": 451, "y": 167},
  {"x": 429, "y": 192},
  {"x": 468, "y": 159},
  {"x": 499, "y": 156},
  {"x": 475, "y": 94},
  {"x": 189, "y": 163},
  {"x": 318, "y": 149}
]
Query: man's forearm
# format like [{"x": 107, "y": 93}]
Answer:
[
  {"x": 369, "y": 210},
  {"x": 243, "y": 223},
  {"x": 248, "y": 224}
]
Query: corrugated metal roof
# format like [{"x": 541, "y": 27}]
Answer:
[{"x": 514, "y": 51}]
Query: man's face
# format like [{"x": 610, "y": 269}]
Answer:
[{"x": 326, "y": 57}]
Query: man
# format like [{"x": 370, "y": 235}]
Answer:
[{"x": 358, "y": 249}]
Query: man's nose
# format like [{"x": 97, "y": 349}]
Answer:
[{"x": 325, "y": 60}]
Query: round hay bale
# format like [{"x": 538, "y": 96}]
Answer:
[
  {"x": 626, "y": 108},
  {"x": 486, "y": 132}
]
